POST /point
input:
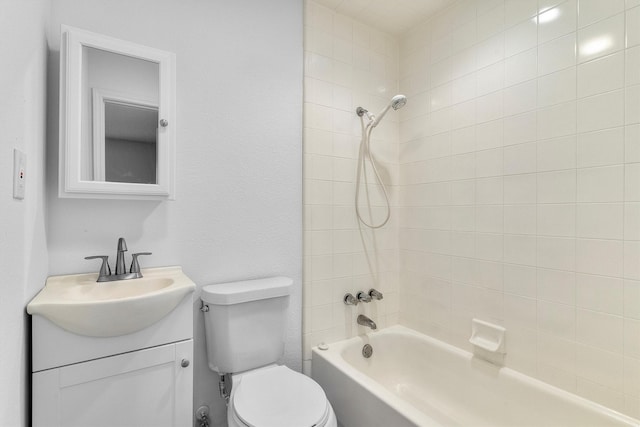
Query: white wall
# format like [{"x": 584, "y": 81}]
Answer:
[
  {"x": 238, "y": 210},
  {"x": 347, "y": 64},
  {"x": 519, "y": 172},
  {"x": 23, "y": 254}
]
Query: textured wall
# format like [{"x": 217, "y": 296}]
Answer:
[
  {"x": 238, "y": 208},
  {"x": 23, "y": 251}
]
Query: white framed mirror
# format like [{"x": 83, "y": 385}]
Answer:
[{"x": 117, "y": 118}]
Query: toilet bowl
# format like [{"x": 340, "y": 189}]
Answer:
[
  {"x": 276, "y": 396},
  {"x": 245, "y": 336}
]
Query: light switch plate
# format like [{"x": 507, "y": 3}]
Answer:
[{"x": 19, "y": 173}]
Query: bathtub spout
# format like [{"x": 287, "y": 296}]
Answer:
[{"x": 365, "y": 321}]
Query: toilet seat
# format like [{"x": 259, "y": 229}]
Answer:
[{"x": 279, "y": 397}]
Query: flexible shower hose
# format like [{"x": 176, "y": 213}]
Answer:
[{"x": 365, "y": 153}]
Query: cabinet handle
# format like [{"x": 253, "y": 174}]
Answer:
[{"x": 184, "y": 363}]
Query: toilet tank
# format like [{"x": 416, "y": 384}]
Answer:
[{"x": 245, "y": 323}]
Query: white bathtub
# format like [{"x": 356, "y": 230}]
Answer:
[{"x": 415, "y": 380}]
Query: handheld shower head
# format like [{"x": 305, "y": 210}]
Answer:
[{"x": 396, "y": 103}]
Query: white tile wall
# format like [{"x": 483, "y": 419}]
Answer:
[
  {"x": 515, "y": 180},
  {"x": 348, "y": 64},
  {"x": 539, "y": 216}
]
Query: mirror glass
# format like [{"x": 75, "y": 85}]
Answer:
[
  {"x": 119, "y": 117},
  {"x": 117, "y": 114},
  {"x": 130, "y": 143}
]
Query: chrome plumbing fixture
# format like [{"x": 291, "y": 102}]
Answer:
[
  {"x": 396, "y": 103},
  {"x": 122, "y": 248},
  {"x": 135, "y": 266},
  {"x": 365, "y": 154},
  {"x": 202, "y": 416},
  {"x": 365, "y": 321},
  {"x": 375, "y": 294},
  {"x": 224, "y": 387},
  {"x": 121, "y": 272},
  {"x": 349, "y": 299},
  {"x": 362, "y": 112},
  {"x": 363, "y": 297},
  {"x": 367, "y": 351}
]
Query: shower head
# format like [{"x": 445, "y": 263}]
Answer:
[{"x": 396, "y": 103}]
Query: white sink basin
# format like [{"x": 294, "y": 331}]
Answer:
[{"x": 83, "y": 306}]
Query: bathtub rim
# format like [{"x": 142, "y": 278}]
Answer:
[{"x": 333, "y": 356}]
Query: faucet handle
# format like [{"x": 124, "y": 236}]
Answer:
[
  {"x": 105, "y": 269},
  {"x": 375, "y": 294},
  {"x": 350, "y": 299},
  {"x": 363, "y": 297},
  {"x": 135, "y": 267}
]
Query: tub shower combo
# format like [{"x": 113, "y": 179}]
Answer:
[{"x": 405, "y": 379}]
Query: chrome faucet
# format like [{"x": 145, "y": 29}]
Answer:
[
  {"x": 365, "y": 321},
  {"x": 121, "y": 271},
  {"x": 122, "y": 248}
]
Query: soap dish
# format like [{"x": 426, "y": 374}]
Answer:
[{"x": 487, "y": 336}]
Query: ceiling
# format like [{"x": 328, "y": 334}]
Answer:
[{"x": 391, "y": 16}]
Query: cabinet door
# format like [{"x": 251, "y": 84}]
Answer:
[{"x": 143, "y": 388}]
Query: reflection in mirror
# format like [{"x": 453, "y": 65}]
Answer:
[
  {"x": 130, "y": 143},
  {"x": 124, "y": 89},
  {"x": 124, "y": 139}
]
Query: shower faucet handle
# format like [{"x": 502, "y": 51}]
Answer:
[
  {"x": 375, "y": 294},
  {"x": 363, "y": 297},
  {"x": 349, "y": 299}
]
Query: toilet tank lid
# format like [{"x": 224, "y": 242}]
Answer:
[{"x": 247, "y": 290}]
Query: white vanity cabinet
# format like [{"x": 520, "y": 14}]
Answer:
[
  {"x": 141, "y": 379},
  {"x": 150, "y": 387}
]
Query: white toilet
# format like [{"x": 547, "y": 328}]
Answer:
[{"x": 245, "y": 332}]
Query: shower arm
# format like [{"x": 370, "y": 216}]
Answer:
[{"x": 363, "y": 112}]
